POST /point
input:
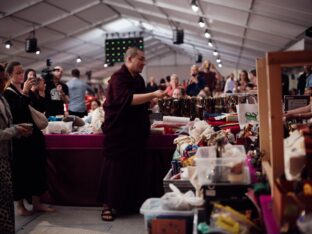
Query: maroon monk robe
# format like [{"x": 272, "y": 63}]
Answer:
[{"x": 126, "y": 129}]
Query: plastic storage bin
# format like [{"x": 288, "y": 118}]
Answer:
[
  {"x": 210, "y": 151},
  {"x": 230, "y": 168},
  {"x": 152, "y": 209}
]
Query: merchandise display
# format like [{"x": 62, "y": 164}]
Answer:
[
  {"x": 202, "y": 107},
  {"x": 156, "y": 117}
]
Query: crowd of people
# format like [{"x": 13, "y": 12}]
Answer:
[
  {"x": 205, "y": 81},
  {"x": 23, "y": 153}
]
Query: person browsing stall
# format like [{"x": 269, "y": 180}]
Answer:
[
  {"x": 37, "y": 91},
  {"x": 56, "y": 93},
  {"x": 195, "y": 83},
  {"x": 303, "y": 112},
  {"x": 126, "y": 129},
  {"x": 77, "y": 89},
  {"x": 8, "y": 131},
  {"x": 151, "y": 85},
  {"x": 29, "y": 159}
]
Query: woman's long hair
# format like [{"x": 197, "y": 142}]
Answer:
[{"x": 3, "y": 79}]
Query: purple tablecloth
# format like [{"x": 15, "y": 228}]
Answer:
[{"x": 74, "y": 165}]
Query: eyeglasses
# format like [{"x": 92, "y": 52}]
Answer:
[{"x": 56, "y": 69}]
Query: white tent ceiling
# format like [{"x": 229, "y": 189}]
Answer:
[{"x": 241, "y": 30}]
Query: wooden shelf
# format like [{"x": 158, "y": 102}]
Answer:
[
  {"x": 270, "y": 110},
  {"x": 270, "y": 106}
]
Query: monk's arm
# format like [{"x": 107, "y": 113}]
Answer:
[{"x": 146, "y": 97}]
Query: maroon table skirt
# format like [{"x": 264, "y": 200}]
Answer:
[{"x": 74, "y": 166}]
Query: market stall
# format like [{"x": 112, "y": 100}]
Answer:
[{"x": 74, "y": 165}]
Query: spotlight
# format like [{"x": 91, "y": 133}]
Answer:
[
  {"x": 31, "y": 43},
  {"x": 215, "y": 53},
  {"x": 38, "y": 51},
  {"x": 178, "y": 36},
  {"x": 194, "y": 5},
  {"x": 220, "y": 65},
  {"x": 78, "y": 59},
  {"x": 207, "y": 34},
  {"x": 218, "y": 60},
  {"x": 201, "y": 22},
  {"x": 108, "y": 65},
  {"x": 210, "y": 43},
  {"x": 199, "y": 58},
  {"x": 8, "y": 44}
]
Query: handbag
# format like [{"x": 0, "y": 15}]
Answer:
[{"x": 39, "y": 118}]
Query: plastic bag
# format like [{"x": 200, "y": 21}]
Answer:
[
  {"x": 176, "y": 200},
  {"x": 231, "y": 221}
]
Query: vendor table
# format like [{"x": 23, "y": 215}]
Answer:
[{"x": 74, "y": 166}]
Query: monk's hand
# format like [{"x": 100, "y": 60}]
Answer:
[{"x": 159, "y": 93}]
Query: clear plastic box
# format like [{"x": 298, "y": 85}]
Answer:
[
  {"x": 210, "y": 151},
  {"x": 152, "y": 209},
  {"x": 230, "y": 168}
]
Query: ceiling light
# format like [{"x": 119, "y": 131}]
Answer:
[
  {"x": 194, "y": 5},
  {"x": 38, "y": 51},
  {"x": 207, "y": 34},
  {"x": 78, "y": 59},
  {"x": 210, "y": 43},
  {"x": 201, "y": 22},
  {"x": 8, "y": 44},
  {"x": 220, "y": 65},
  {"x": 215, "y": 53},
  {"x": 218, "y": 60}
]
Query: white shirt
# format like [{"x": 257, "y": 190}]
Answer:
[{"x": 229, "y": 85}]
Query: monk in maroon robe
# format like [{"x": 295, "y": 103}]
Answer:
[{"x": 126, "y": 129}]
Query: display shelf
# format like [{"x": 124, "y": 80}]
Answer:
[
  {"x": 270, "y": 106},
  {"x": 270, "y": 111}
]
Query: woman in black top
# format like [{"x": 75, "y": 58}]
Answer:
[
  {"x": 7, "y": 132},
  {"x": 29, "y": 159}
]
